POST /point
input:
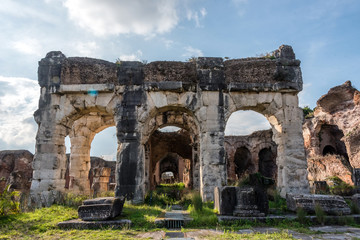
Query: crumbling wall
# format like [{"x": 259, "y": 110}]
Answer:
[
  {"x": 197, "y": 96},
  {"x": 255, "y": 143},
  {"x": 16, "y": 169},
  {"x": 336, "y": 123}
]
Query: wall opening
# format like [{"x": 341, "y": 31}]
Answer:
[
  {"x": 330, "y": 137},
  {"x": 249, "y": 146},
  {"x": 170, "y": 150}
]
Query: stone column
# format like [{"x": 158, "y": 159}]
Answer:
[
  {"x": 130, "y": 167},
  {"x": 212, "y": 152},
  {"x": 291, "y": 160},
  {"x": 80, "y": 163},
  {"x": 49, "y": 163}
]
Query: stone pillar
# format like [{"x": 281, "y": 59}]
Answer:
[
  {"x": 80, "y": 164},
  {"x": 130, "y": 167},
  {"x": 291, "y": 160},
  {"x": 49, "y": 163},
  {"x": 212, "y": 152}
]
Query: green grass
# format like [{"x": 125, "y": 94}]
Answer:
[
  {"x": 42, "y": 224},
  {"x": 258, "y": 236}
]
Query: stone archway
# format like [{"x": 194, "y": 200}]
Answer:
[{"x": 198, "y": 96}]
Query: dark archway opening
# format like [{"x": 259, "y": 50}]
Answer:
[
  {"x": 243, "y": 163},
  {"x": 328, "y": 150},
  {"x": 267, "y": 163},
  {"x": 330, "y": 141}
]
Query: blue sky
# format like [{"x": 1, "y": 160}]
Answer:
[{"x": 325, "y": 35}]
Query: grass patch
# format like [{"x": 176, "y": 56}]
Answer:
[
  {"x": 206, "y": 218},
  {"x": 259, "y": 236},
  {"x": 142, "y": 216}
]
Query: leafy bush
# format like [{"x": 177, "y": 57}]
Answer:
[
  {"x": 320, "y": 214},
  {"x": 9, "y": 203},
  {"x": 308, "y": 112},
  {"x": 165, "y": 194},
  {"x": 197, "y": 202},
  {"x": 73, "y": 200},
  {"x": 278, "y": 203},
  {"x": 339, "y": 187},
  {"x": 301, "y": 216}
]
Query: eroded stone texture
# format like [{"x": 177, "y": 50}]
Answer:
[
  {"x": 81, "y": 96},
  {"x": 334, "y": 130},
  {"x": 330, "y": 204},
  {"x": 100, "y": 209},
  {"x": 16, "y": 169},
  {"x": 261, "y": 155}
]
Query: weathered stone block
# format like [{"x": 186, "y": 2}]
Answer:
[
  {"x": 225, "y": 200},
  {"x": 101, "y": 208},
  {"x": 331, "y": 204}
]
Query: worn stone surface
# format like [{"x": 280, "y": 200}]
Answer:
[
  {"x": 80, "y": 97},
  {"x": 262, "y": 155},
  {"x": 80, "y": 224},
  {"x": 225, "y": 200},
  {"x": 331, "y": 204},
  {"x": 99, "y": 209},
  {"x": 322, "y": 167},
  {"x": 334, "y": 130},
  {"x": 16, "y": 169}
]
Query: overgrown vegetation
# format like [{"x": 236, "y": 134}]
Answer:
[
  {"x": 308, "y": 112},
  {"x": 168, "y": 194},
  {"x": 339, "y": 187},
  {"x": 9, "y": 202},
  {"x": 278, "y": 204}
]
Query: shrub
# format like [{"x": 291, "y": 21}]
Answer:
[
  {"x": 301, "y": 216},
  {"x": 339, "y": 187},
  {"x": 73, "y": 200},
  {"x": 320, "y": 214},
  {"x": 197, "y": 202},
  {"x": 9, "y": 203},
  {"x": 165, "y": 194}
]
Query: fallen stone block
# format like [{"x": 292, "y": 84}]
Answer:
[
  {"x": 99, "y": 209},
  {"x": 330, "y": 204},
  {"x": 225, "y": 200}
]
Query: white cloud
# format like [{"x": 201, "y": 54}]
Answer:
[
  {"x": 132, "y": 57},
  {"x": 18, "y": 101},
  {"x": 192, "y": 52},
  {"x": 245, "y": 123},
  {"x": 196, "y": 16},
  {"x": 86, "y": 48},
  {"x": 28, "y": 46},
  {"x": 113, "y": 17}
]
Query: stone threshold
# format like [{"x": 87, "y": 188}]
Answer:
[{"x": 80, "y": 224}]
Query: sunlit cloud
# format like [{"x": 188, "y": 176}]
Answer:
[
  {"x": 18, "y": 101},
  {"x": 245, "y": 123},
  {"x": 196, "y": 16},
  {"x": 131, "y": 57},
  {"x": 192, "y": 52},
  {"x": 113, "y": 17}
]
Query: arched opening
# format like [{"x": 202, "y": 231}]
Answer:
[
  {"x": 90, "y": 164},
  {"x": 243, "y": 162},
  {"x": 267, "y": 163},
  {"x": 330, "y": 141},
  {"x": 170, "y": 152},
  {"x": 171, "y": 145},
  {"x": 249, "y": 146},
  {"x": 328, "y": 150}
]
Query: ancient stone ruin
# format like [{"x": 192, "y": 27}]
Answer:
[
  {"x": 16, "y": 170},
  {"x": 81, "y": 97},
  {"x": 332, "y": 135}
]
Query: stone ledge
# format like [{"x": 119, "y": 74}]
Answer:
[
  {"x": 80, "y": 224},
  {"x": 74, "y": 88}
]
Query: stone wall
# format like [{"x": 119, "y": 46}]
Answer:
[
  {"x": 334, "y": 130},
  {"x": 16, "y": 169},
  {"x": 198, "y": 96},
  {"x": 256, "y": 144}
]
